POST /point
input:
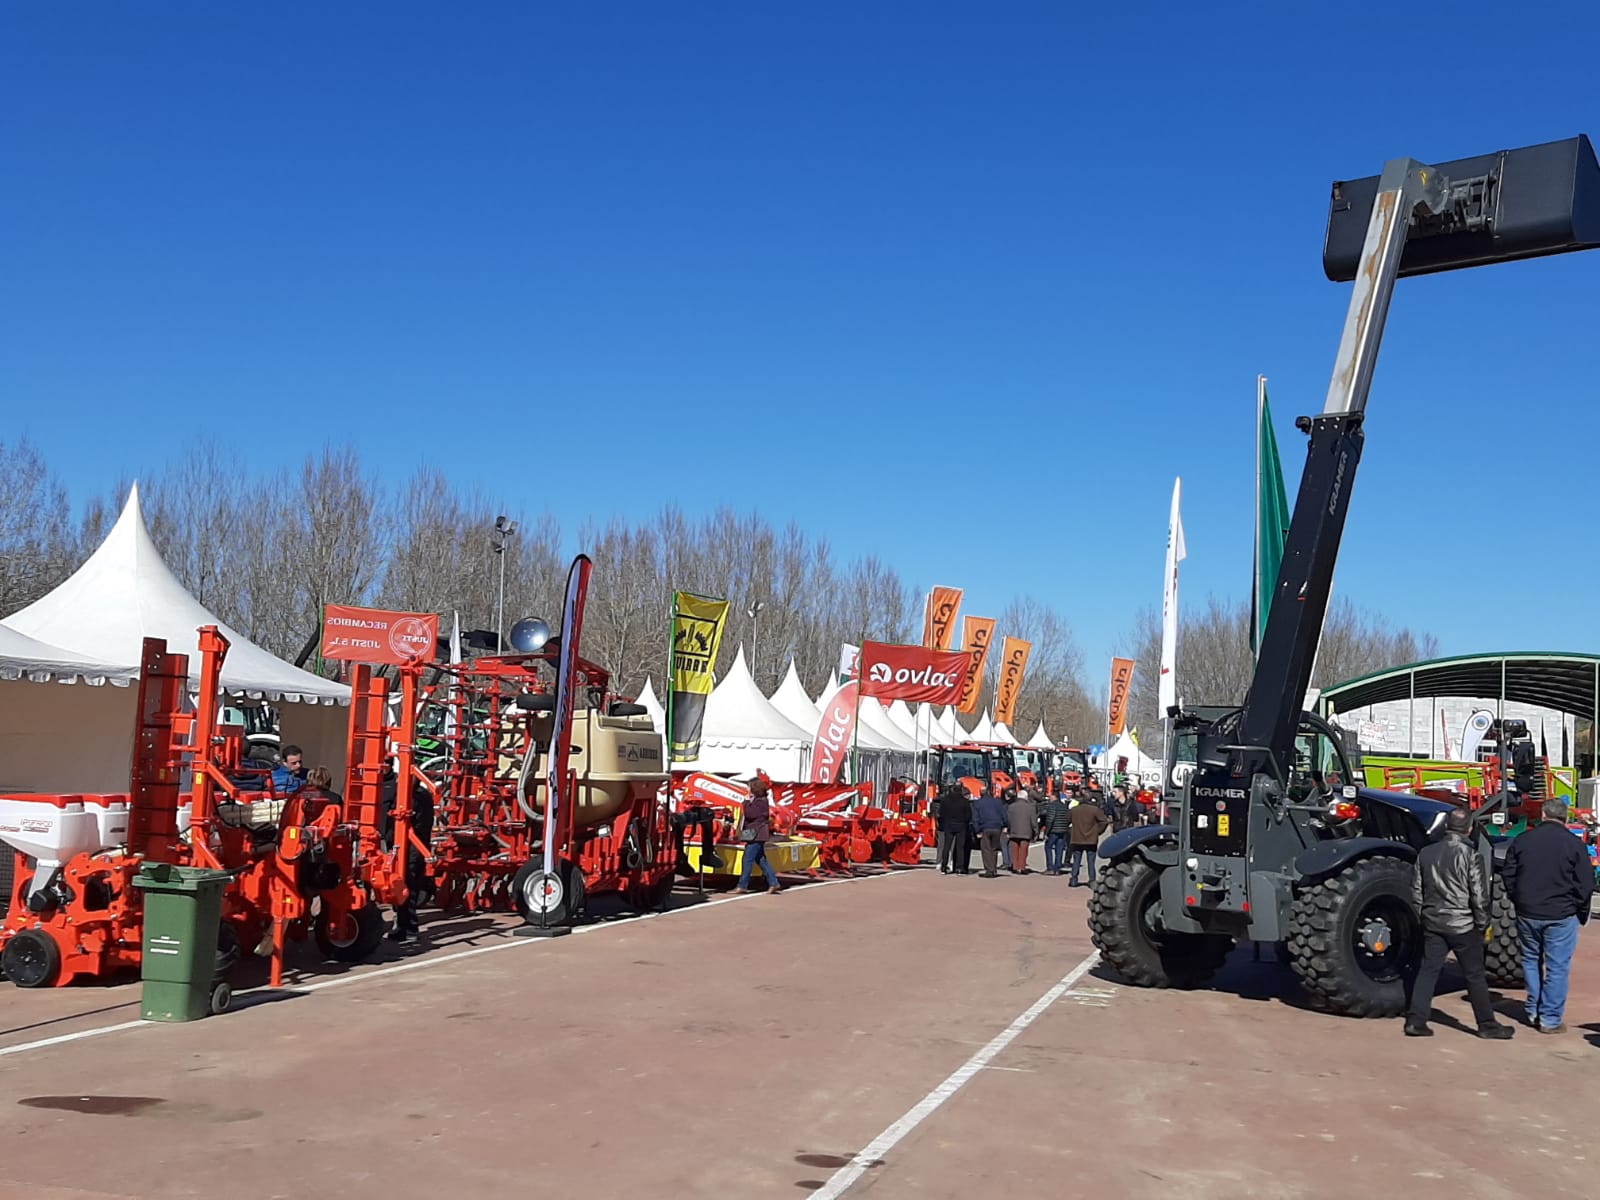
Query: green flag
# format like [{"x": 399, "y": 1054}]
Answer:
[{"x": 1272, "y": 517}]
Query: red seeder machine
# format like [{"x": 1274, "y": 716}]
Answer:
[{"x": 297, "y": 862}]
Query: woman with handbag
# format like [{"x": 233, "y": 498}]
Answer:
[{"x": 755, "y": 831}]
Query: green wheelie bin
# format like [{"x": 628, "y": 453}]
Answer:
[{"x": 182, "y": 918}]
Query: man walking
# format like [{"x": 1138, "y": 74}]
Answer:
[
  {"x": 1088, "y": 823},
  {"x": 1022, "y": 819},
  {"x": 1551, "y": 882},
  {"x": 1057, "y": 820},
  {"x": 990, "y": 819},
  {"x": 1450, "y": 888}
]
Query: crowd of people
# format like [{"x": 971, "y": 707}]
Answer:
[{"x": 1002, "y": 828}]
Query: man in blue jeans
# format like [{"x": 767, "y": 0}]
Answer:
[
  {"x": 1057, "y": 822},
  {"x": 1551, "y": 882}
]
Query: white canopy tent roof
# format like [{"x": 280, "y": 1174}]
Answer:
[
  {"x": 1002, "y": 733},
  {"x": 983, "y": 731},
  {"x": 876, "y": 718},
  {"x": 81, "y": 740},
  {"x": 653, "y": 706},
  {"x": 828, "y": 689},
  {"x": 1040, "y": 739},
  {"x": 906, "y": 722},
  {"x": 743, "y": 733},
  {"x": 125, "y": 593},
  {"x": 23, "y": 657},
  {"x": 1139, "y": 763},
  {"x": 947, "y": 730},
  {"x": 791, "y": 700}
]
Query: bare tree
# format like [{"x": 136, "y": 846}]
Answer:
[{"x": 38, "y": 547}]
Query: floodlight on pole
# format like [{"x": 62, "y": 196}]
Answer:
[
  {"x": 503, "y": 530},
  {"x": 753, "y": 612}
]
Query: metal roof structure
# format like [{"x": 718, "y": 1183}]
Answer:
[{"x": 1569, "y": 683}]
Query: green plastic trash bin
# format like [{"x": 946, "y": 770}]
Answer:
[{"x": 182, "y": 915}]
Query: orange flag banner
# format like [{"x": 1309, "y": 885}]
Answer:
[
  {"x": 939, "y": 622},
  {"x": 1013, "y": 665},
  {"x": 1117, "y": 711},
  {"x": 977, "y": 633}
]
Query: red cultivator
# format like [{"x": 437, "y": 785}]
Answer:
[
  {"x": 520, "y": 728},
  {"x": 853, "y": 831},
  {"x": 294, "y": 862}
]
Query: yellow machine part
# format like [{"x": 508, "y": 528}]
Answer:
[{"x": 788, "y": 856}]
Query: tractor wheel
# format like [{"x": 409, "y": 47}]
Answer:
[
  {"x": 1503, "y": 955},
  {"x": 355, "y": 940},
  {"x": 1123, "y": 912},
  {"x": 31, "y": 959},
  {"x": 1354, "y": 938},
  {"x": 541, "y": 899}
]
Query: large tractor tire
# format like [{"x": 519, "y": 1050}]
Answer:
[
  {"x": 1503, "y": 955},
  {"x": 1122, "y": 919},
  {"x": 1354, "y": 938}
]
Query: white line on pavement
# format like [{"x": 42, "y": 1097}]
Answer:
[
  {"x": 420, "y": 964},
  {"x": 872, "y": 1155}
]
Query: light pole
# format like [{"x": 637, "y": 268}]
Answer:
[
  {"x": 753, "y": 611},
  {"x": 503, "y": 529}
]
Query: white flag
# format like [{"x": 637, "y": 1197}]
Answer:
[
  {"x": 849, "y": 658},
  {"x": 1167, "y": 692}
]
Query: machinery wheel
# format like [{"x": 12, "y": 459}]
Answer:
[
  {"x": 1123, "y": 912},
  {"x": 31, "y": 959},
  {"x": 1503, "y": 955},
  {"x": 359, "y": 935},
  {"x": 554, "y": 899},
  {"x": 221, "y": 996},
  {"x": 227, "y": 951},
  {"x": 1354, "y": 938}
]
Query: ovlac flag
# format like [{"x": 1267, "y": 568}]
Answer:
[{"x": 1167, "y": 692}]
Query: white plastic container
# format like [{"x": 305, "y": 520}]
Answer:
[{"x": 49, "y": 829}]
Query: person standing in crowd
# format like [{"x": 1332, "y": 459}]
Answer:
[
  {"x": 1450, "y": 888},
  {"x": 419, "y": 889},
  {"x": 1550, "y": 881},
  {"x": 1088, "y": 823},
  {"x": 1057, "y": 821},
  {"x": 290, "y": 776},
  {"x": 955, "y": 823},
  {"x": 990, "y": 818},
  {"x": 756, "y": 832},
  {"x": 1121, "y": 808},
  {"x": 1022, "y": 820}
]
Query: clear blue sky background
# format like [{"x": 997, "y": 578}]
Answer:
[{"x": 966, "y": 285}]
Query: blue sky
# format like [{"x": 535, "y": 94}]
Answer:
[{"x": 966, "y": 285}]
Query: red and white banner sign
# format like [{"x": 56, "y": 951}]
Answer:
[
  {"x": 913, "y": 673},
  {"x": 831, "y": 749},
  {"x": 375, "y": 635}
]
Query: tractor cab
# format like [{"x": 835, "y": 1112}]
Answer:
[{"x": 971, "y": 766}]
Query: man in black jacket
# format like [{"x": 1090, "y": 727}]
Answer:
[
  {"x": 1450, "y": 888},
  {"x": 955, "y": 822},
  {"x": 1550, "y": 880}
]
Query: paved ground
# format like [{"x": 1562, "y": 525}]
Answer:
[{"x": 758, "y": 1046}]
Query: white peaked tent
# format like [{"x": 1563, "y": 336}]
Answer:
[
  {"x": 791, "y": 700},
  {"x": 1002, "y": 733},
  {"x": 658, "y": 714},
  {"x": 1040, "y": 739},
  {"x": 1139, "y": 763},
  {"x": 828, "y": 689},
  {"x": 947, "y": 729},
  {"x": 983, "y": 731},
  {"x": 906, "y": 722},
  {"x": 742, "y": 732},
  {"x": 123, "y": 594},
  {"x": 876, "y": 718}
]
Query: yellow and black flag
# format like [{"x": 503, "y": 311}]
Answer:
[{"x": 697, "y": 624}]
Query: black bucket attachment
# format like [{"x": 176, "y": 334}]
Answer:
[{"x": 1515, "y": 204}]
